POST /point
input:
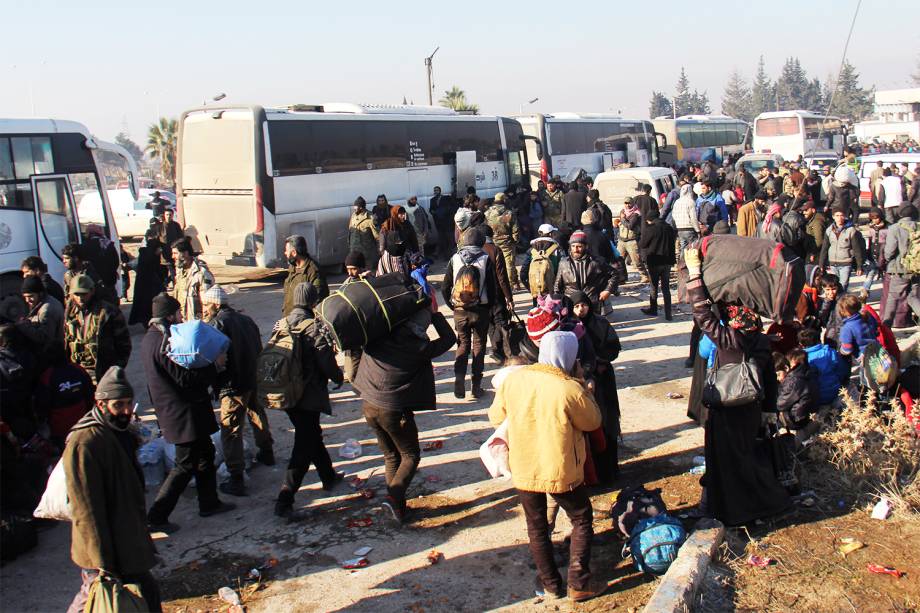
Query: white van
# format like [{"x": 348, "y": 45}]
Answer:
[
  {"x": 868, "y": 163},
  {"x": 615, "y": 185}
]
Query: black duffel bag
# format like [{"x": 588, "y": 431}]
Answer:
[
  {"x": 363, "y": 311},
  {"x": 733, "y": 385}
]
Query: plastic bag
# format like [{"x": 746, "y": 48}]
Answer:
[
  {"x": 195, "y": 344},
  {"x": 494, "y": 452},
  {"x": 350, "y": 449},
  {"x": 151, "y": 457},
  {"x": 54, "y": 503}
]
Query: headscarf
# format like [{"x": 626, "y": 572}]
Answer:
[
  {"x": 768, "y": 218},
  {"x": 630, "y": 209},
  {"x": 743, "y": 319},
  {"x": 578, "y": 297},
  {"x": 393, "y": 222},
  {"x": 559, "y": 349}
]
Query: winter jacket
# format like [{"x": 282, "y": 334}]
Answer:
[
  {"x": 798, "y": 393},
  {"x": 830, "y": 320},
  {"x": 774, "y": 233},
  {"x": 552, "y": 207},
  {"x": 179, "y": 395},
  {"x": 548, "y": 413},
  {"x": 842, "y": 246},
  {"x": 502, "y": 282},
  {"x": 307, "y": 273},
  {"x": 418, "y": 217},
  {"x": 856, "y": 332},
  {"x": 746, "y": 182},
  {"x": 832, "y": 371},
  {"x": 657, "y": 244},
  {"x": 362, "y": 236},
  {"x": 245, "y": 345},
  {"x": 317, "y": 362},
  {"x": 586, "y": 274},
  {"x": 708, "y": 211},
  {"x": 442, "y": 209},
  {"x": 191, "y": 284},
  {"x": 488, "y": 284},
  {"x": 63, "y": 394},
  {"x": 598, "y": 244},
  {"x": 396, "y": 374},
  {"x": 96, "y": 337},
  {"x": 815, "y": 228},
  {"x": 875, "y": 250},
  {"x": 897, "y": 244},
  {"x": 503, "y": 223},
  {"x": 683, "y": 213},
  {"x": 842, "y": 197},
  {"x": 45, "y": 324},
  {"x": 573, "y": 205},
  {"x": 105, "y": 492},
  {"x": 645, "y": 204},
  {"x": 793, "y": 233},
  {"x": 749, "y": 219}
]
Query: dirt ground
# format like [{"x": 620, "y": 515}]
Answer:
[{"x": 469, "y": 524}]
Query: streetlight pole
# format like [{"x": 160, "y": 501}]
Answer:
[{"x": 428, "y": 69}]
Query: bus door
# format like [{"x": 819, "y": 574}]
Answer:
[
  {"x": 466, "y": 172},
  {"x": 56, "y": 223}
]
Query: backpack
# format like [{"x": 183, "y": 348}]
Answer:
[
  {"x": 633, "y": 505},
  {"x": 910, "y": 261},
  {"x": 279, "y": 368},
  {"x": 468, "y": 284},
  {"x": 879, "y": 370},
  {"x": 542, "y": 273},
  {"x": 654, "y": 543}
]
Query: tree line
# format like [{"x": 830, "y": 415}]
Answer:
[{"x": 792, "y": 89}]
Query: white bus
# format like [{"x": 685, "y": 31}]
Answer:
[
  {"x": 560, "y": 143},
  {"x": 249, "y": 176},
  {"x": 692, "y": 137},
  {"x": 798, "y": 133},
  {"x": 44, "y": 165}
]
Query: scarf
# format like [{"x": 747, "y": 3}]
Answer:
[
  {"x": 630, "y": 210},
  {"x": 768, "y": 218},
  {"x": 559, "y": 349},
  {"x": 744, "y": 319}
]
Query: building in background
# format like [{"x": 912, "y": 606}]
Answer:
[{"x": 897, "y": 114}]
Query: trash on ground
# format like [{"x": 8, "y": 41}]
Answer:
[
  {"x": 270, "y": 563},
  {"x": 760, "y": 561},
  {"x": 367, "y": 493},
  {"x": 882, "y": 509},
  {"x": 849, "y": 546},
  {"x": 361, "y": 522},
  {"x": 435, "y": 556},
  {"x": 255, "y": 574},
  {"x": 673, "y": 395},
  {"x": 698, "y": 470},
  {"x": 885, "y": 570},
  {"x": 360, "y": 552},
  {"x": 350, "y": 449},
  {"x": 229, "y": 596},
  {"x": 360, "y": 562},
  {"x": 356, "y": 482},
  {"x": 433, "y": 479},
  {"x": 433, "y": 445}
]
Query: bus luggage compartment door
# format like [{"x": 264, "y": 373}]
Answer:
[{"x": 466, "y": 172}]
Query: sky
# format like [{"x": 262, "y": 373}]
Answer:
[{"x": 116, "y": 66}]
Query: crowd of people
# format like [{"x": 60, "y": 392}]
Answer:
[{"x": 66, "y": 392}]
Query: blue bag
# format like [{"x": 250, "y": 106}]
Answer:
[
  {"x": 195, "y": 344},
  {"x": 654, "y": 543}
]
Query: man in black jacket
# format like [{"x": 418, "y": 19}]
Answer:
[
  {"x": 573, "y": 203},
  {"x": 237, "y": 385},
  {"x": 657, "y": 246},
  {"x": 182, "y": 402},
  {"x": 396, "y": 379},
  {"x": 582, "y": 272},
  {"x": 471, "y": 313},
  {"x": 442, "y": 208},
  {"x": 645, "y": 202}
]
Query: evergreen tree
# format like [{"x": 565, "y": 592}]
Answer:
[
  {"x": 683, "y": 99},
  {"x": 761, "y": 91},
  {"x": 736, "y": 99},
  {"x": 125, "y": 141},
  {"x": 792, "y": 86},
  {"x": 699, "y": 103},
  {"x": 814, "y": 98},
  {"x": 660, "y": 105},
  {"x": 852, "y": 102}
]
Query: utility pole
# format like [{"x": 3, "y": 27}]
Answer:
[{"x": 428, "y": 71}]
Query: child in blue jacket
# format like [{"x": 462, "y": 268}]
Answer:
[{"x": 831, "y": 369}]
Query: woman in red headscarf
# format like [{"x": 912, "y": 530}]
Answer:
[
  {"x": 399, "y": 222},
  {"x": 740, "y": 485}
]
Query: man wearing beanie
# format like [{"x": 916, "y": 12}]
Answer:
[
  {"x": 656, "y": 244},
  {"x": 182, "y": 400},
  {"x": 44, "y": 325},
  {"x": 237, "y": 385},
  {"x": 96, "y": 335},
  {"x": 902, "y": 252},
  {"x": 105, "y": 491},
  {"x": 581, "y": 271},
  {"x": 362, "y": 233}
]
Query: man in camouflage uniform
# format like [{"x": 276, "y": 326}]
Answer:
[
  {"x": 193, "y": 279},
  {"x": 505, "y": 234},
  {"x": 96, "y": 334},
  {"x": 75, "y": 263},
  {"x": 362, "y": 233}
]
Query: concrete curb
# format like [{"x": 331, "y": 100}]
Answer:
[{"x": 678, "y": 587}]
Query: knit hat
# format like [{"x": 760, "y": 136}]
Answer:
[
  {"x": 578, "y": 237},
  {"x": 82, "y": 284},
  {"x": 164, "y": 306},
  {"x": 559, "y": 349},
  {"x": 32, "y": 285},
  {"x": 547, "y": 228},
  {"x": 539, "y": 322},
  {"x": 356, "y": 259},
  {"x": 462, "y": 218},
  {"x": 215, "y": 295},
  {"x": 305, "y": 296},
  {"x": 114, "y": 384}
]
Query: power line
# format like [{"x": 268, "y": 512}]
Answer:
[{"x": 843, "y": 59}]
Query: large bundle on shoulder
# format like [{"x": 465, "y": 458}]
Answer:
[
  {"x": 761, "y": 274},
  {"x": 365, "y": 310},
  {"x": 195, "y": 344}
]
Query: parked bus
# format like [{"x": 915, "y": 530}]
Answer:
[
  {"x": 560, "y": 143},
  {"x": 45, "y": 164},
  {"x": 691, "y": 137},
  {"x": 798, "y": 133},
  {"x": 250, "y": 176}
]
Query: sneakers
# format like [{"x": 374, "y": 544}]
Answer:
[
  {"x": 222, "y": 507},
  {"x": 265, "y": 457},
  {"x": 460, "y": 389},
  {"x": 234, "y": 486},
  {"x": 336, "y": 479},
  {"x": 588, "y": 594}
]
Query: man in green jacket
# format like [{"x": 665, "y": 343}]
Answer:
[
  {"x": 105, "y": 491},
  {"x": 303, "y": 269},
  {"x": 96, "y": 335}
]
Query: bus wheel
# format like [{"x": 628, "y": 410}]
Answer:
[{"x": 12, "y": 306}]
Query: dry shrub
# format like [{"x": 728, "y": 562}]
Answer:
[{"x": 866, "y": 452}]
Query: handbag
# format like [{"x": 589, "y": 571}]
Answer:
[
  {"x": 733, "y": 385},
  {"x": 108, "y": 594}
]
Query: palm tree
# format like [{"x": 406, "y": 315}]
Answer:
[
  {"x": 161, "y": 144},
  {"x": 456, "y": 99}
]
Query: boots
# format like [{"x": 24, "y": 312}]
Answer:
[
  {"x": 460, "y": 387},
  {"x": 477, "y": 387}
]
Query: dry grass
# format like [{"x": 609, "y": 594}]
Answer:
[{"x": 868, "y": 453}]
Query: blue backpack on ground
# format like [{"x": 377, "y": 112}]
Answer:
[
  {"x": 654, "y": 543},
  {"x": 195, "y": 344}
]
